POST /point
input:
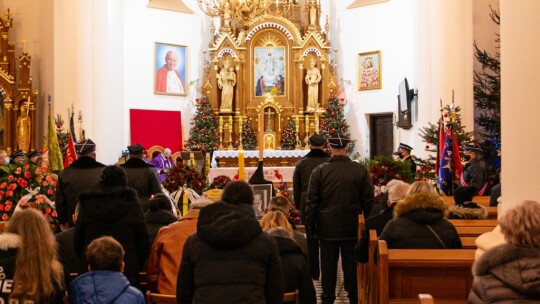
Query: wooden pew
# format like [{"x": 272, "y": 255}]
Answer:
[
  {"x": 425, "y": 299},
  {"x": 405, "y": 273},
  {"x": 473, "y": 228}
]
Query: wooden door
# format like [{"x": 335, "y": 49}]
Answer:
[{"x": 382, "y": 134}]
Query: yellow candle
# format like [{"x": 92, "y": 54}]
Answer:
[
  {"x": 241, "y": 172},
  {"x": 297, "y": 123},
  {"x": 207, "y": 161},
  {"x": 307, "y": 124},
  {"x": 230, "y": 122},
  {"x": 191, "y": 159},
  {"x": 185, "y": 202}
]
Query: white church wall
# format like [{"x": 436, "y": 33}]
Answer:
[
  {"x": 390, "y": 28},
  {"x": 143, "y": 27}
]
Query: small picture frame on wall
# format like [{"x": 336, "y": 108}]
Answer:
[
  {"x": 369, "y": 71},
  {"x": 170, "y": 66}
]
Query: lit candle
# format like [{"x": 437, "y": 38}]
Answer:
[
  {"x": 192, "y": 159},
  {"x": 185, "y": 204},
  {"x": 241, "y": 170}
]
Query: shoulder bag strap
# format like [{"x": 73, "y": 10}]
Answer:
[{"x": 436, "y": 235}]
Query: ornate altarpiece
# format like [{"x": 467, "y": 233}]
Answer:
[
  {"x": 15, "y": 89},
  {"x": 281, "y": 49}
]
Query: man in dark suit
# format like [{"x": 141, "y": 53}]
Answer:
[
  {"x": 339, "y": 190},
  {"x": 141, "y": 176},
  {"x": 82, "y": 175},
  {"x": 301, "y": 175}
]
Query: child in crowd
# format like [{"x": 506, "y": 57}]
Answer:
[{"x": 105, "y": 282}]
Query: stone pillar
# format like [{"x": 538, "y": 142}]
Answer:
[{"x": 519, "y": 95}]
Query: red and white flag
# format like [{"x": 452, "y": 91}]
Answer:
[{"x": 71, "y": 156}]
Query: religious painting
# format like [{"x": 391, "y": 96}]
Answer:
[
  {"x": 170, "y": 67},
  {"x": 261, "y": 198},
  {"x": 269, "y": 70},
  {"x": 369, "y": 71}
]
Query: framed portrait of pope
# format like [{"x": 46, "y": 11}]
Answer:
[
  {"x": 170, "y": 67},
  {"x": 269, "y": 70}
]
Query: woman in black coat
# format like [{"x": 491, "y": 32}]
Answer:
[
  {"x": 419, "y": 223},
  {"x": 159, "y": 215},
  {"x": 114, "y": 211}
]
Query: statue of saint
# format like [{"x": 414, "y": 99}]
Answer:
[
  {"x": 226, "y": 81},
  {"x": 313, "y": 77},
  {"x": 23, "y": 129},
  {"x": 312, "y": 13}
]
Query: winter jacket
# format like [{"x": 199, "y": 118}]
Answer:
[
  {"x": 166, "y": 254},
  {"x": 104, "y": 287},
  {"x": 82, "y": 175},
  {"x": 339, "y": 190},
  {"x": 301, "y": 175},
  {"x": 116, "y": 213},
  {"x": 9, "y": 245},
  {"x": 296, "y": 270},
  {"x": 507, "y": 274},
  {"x": 409, "y": 228},
  {"x": 143, "y": 178},
  {"x": 156, "y": 220},
  {"x": 467, "y": 210},
  {"x": 229, "y": 260},
  {"x": 476, "y": 174}
]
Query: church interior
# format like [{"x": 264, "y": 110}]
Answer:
[{"x": 138, "y": 71}]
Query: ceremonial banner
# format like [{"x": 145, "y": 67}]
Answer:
[{"x": 71, "y": 156}]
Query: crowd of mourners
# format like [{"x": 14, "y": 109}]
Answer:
[{"x": 117, "y": 223}]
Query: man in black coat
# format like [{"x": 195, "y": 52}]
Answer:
[
  {"x": 66, "y": 249},
  {"x": 82, "y": 175},
  {"x": 476, "y": 173},
  {"x": 141, "y": 176},
  {"x": 230, "y": 259},
  {"x": 339, "y": 190},
  {"x": 404, "y": 153},
  {"x": 302, "y": 173}
]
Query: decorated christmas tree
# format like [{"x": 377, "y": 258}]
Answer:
[
  {"x": 288, "y": 136},
  {"x": 487, "y": 96},
  {"x": 61, "y": 134},
  {"x": 204, "y": 135},
  {"x": 249, "y": 138},
  {"x": 333, "y": 121},
  {"x": 430, "y": 135}
]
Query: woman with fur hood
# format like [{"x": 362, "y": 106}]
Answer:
[
  {"x": 510, "y": 273},
  {"x": 419, "y": 223}
]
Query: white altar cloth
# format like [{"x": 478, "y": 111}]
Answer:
[
  {"x": 255, "y": 153},
  {"x": 269, "y": 173}
]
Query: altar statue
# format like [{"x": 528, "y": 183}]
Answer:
[
  {"x": 313, "y": 77},
  {"x": 226, "y": 82},
  {"x": 23, "y": 129},
  {"x": 312, "y": 13}
]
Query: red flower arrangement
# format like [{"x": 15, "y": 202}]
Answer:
[
  {"x": 27, "y": 186},
  {"x": 184, "y": 175},
  {"x": 282, "y": 190},
  {"x": 219, "y": 182},
  {"x": 383, "y": 169}
]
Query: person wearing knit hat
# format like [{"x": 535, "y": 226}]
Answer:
[
  {"x": 82, "y": 175},
  {"x": 141, "y": 176},
  {"x": 301, "y": 175},
  {"x": 338, "y": 191}
]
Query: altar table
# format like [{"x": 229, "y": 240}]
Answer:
[
  {"x": 272, "y": 158},
  {"x": 269, "y": 173}
]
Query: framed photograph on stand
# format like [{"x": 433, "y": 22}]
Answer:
[
  {"x": 261, "y": 197},
  {"x": 369, "y": 71},
  {"x": 170, "y": 66}
]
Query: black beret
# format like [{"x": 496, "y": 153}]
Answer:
[
  {"x": 338, "y": 142},
  {"x": 85, "y": 147},
  {"x": 316, "y": 140},
  {"x": 33, "y": 153},
  {"x": 135, "y": 149}
]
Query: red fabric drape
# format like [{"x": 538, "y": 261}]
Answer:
[{"x": 152, "y": 127}]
